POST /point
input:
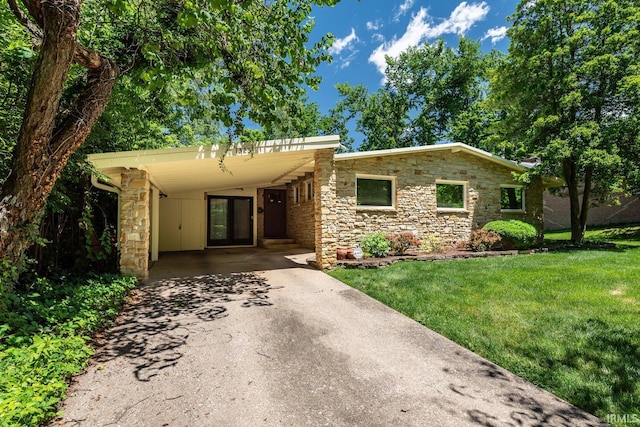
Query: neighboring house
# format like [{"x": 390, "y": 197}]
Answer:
[
  {"x": 557, "y": 212},
  {"x": 182, "y": 199}
]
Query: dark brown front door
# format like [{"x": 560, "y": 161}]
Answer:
[{"x": 275, "y": 213}]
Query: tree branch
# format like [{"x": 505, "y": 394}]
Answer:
[{"x": 25, "y": 21}]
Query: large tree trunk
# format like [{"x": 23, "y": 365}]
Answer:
[
  {"x": 43, "y": 149},
  {"x": 578, "y": 209}
]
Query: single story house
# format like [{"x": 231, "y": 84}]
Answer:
[{"x": 192, "y": 198}]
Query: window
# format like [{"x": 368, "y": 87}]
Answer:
[
  {"x": 375, "y": 191},
  {"x": 309, "y": 192},
  {"x": 511, "y": 198},
  {"x": 296, "y": 194},
  {"x": 451, "y": 195}
]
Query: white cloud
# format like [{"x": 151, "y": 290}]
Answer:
[
  {"x": 403, "y": 9},
  {"x": 496, "y": 34},
  {"x": 344, "y": 43},
  {"x": 421, "y": 27},
  {"x": 374, "y": 26}
]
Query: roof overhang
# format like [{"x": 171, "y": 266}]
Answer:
[{"x": 215, "y": 167}]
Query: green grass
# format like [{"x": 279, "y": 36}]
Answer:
[
  {"x": 566, "y": 321},
  {"x": 623, "y": 236}
]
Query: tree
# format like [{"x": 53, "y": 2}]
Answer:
[
  {"x": 569, "y": 89},
  {"x": 432, "y": 93},
  {"x": 251, "y": 57}
]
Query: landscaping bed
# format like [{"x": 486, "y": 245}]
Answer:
[{"x": 452, "y": 254}]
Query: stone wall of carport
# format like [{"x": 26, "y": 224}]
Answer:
[
  {"x": 300, "y": 215},
  {"x": 134, "y": 223},
  {"x": 416, "y": 175}
]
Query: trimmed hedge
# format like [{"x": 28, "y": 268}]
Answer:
[{"x": 514, "y": 234}]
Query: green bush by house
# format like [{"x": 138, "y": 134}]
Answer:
[
  {"x": 513, "y": 233},
  {"x": 376, "y": 245}
]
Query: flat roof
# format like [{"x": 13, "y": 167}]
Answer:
[{"x": 216, "y": 167}]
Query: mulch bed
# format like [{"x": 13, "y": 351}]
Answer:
[{"x": 447, "y": 255}]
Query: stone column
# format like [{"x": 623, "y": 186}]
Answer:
[
  {"x": 134, "y": 220},
  {"x": 324, "y": 182}
]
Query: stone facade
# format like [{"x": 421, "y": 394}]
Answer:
[
  {"x": 415, "y": 209},
  {"x": 325, "y": 208},
  {"x": 134, "y": 223},
  {"x": 300, "y": 213}
]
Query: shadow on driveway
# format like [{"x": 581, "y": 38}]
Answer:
[{"x": 152, "y": 332}]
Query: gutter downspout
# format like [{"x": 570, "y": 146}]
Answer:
[{"x": 111, "y": 189}]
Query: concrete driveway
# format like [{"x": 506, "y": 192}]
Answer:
[{"x": 251, "y": 338}]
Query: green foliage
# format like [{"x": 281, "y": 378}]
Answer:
[
  {"x": 431, "y": 244},
  {"x": 569, "y": 92},
  {"x": 16, "y": 59},
  {"x": 483, "y": 240},
  {"x": 43, "y": 340},
  {"x": 376, "y": 245},
  {"x": 450, "y": 196},
  {"x": 513, "y": 233},
  {"x": 432, "y": 93},
  {"x": 566, "y": 321},
  {"x": 401, "y": 243}
]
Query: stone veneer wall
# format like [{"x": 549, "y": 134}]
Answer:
[
  {"x": 326, "y": 208},
  {"x": 300, "y": 216},
  {"x": 415, "y": 210},
  {"x": 134, "y": 223}
]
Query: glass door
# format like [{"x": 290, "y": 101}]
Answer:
[{"x": 230, "y": 221}]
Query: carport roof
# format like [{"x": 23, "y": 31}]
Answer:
[{"x": 213, "y": 167}]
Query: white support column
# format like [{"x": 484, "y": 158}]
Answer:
[{"x": 155, "y": 222}]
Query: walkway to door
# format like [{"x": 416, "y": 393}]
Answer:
[{"x": 251, "y": 337}]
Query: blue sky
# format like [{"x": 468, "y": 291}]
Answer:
[{"x": 367, "y": 30}]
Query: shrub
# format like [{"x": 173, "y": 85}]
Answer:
[
  {"x": 514, "y": 234},
  {"x": 482, "y": 240},
  {"x": 376, "y": 245},
  {"x": 431, "y": 244},
  {"x": 402, "y": 242}
]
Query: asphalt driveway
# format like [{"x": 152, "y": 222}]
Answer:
[{"x": 251, "y": 338}]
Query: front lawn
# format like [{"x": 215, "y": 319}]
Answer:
[
  {"x": 628, "y": 235},
  {"x": 566, "y": 321}
]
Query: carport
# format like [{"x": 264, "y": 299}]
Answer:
[{"x": 197, "y": 197}]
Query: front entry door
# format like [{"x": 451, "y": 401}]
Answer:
[
  {"x": 275, "y": 213},
  {"x": 230, "y": 221}
]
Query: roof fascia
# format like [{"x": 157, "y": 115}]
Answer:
[{"x": 453, "y": 147}]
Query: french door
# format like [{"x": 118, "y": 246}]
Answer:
[{"x": 230, "y": 221}]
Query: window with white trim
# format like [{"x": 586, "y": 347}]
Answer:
[
  {"x": 451, "y": 195},
  {"x": 375, "y": 191},
  {"x": 512, "y": 198}
]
